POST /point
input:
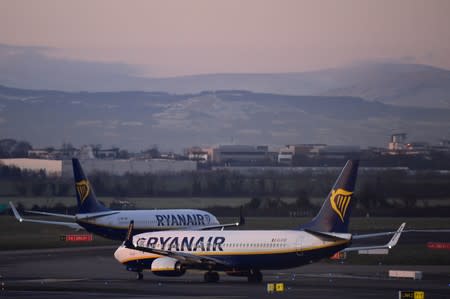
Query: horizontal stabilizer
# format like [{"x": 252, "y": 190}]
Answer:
[
  {"x": 87, "y": 216},
  {"x": 329, "y": 236},
  {"x": 374, "y": 235},
  {"x": 389, "y": 245}
]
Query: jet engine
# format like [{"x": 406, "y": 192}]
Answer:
[{"x": 167, "y": 266}]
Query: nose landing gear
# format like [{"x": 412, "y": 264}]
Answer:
[{"x": 255, "y": 276}]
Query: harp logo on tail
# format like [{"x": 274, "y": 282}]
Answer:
[
  {"x": 83, "y": 190},
  {"x": 340, "y": 199}
]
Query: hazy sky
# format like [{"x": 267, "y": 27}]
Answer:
[{"x": 169, "y": 38}]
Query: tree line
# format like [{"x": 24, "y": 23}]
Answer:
[{"x": 375, "y": 192}]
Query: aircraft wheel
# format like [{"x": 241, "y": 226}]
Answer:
[
  {"x": 211, "y": 277},
  {"x": 255, "y": 276},
  {"x": 139, "y": 276}
]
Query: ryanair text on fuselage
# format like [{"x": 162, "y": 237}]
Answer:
[
  {"x": 212, "y": 243},
  {"x": 183, "y": 220}
]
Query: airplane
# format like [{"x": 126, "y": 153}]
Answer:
[
  {"x": 247, "y": 252},
  {"x": 98, "y": 219}
]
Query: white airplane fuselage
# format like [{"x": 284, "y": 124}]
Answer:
[
  {"x": 242, "y": 250},
  {"x": 115, "y": 223}
]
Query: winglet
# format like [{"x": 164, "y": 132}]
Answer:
[
  {"x": 129, "y": 239},
  {"x": 396, "y": 236},
  {"x": 16, "y": 213}
]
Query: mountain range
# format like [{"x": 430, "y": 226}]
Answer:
[
  {"x": 396, "y": 84},
  {"x": 388, "y": 83},
  {"x": 138, "y": 120}
]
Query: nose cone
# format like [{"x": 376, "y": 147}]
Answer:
[{"x": 120, "y": 254}]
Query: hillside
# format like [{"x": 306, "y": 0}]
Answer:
[
  {"x": 389, "y": 83},
  {"x": 136, "y": 120}
]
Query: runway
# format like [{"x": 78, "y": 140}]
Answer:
[{"x": 93, "y": 272}]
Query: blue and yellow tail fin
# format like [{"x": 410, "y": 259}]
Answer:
[
  {"x": 87, "y": 202},
  {"x": 335, "y": 212}
]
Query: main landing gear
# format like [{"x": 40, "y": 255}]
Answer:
[
  {"x": 255, "y": 276},
  {"x": 211, "y": 276}
]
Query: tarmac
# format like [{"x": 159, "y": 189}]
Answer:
[{"x": 92, "y": 272}]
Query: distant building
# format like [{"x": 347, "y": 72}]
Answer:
[
  {"x": 112, "y": 153},
  {"x": 399, "y": 146},
  {"x": 241, "y": 154},
  {"x": 417, "y": 148},
  {"x": 340, "y": 152},
  {"x": 199, "y": 154},
  {"x": 39, "y": 154},
  {"x": 443, "y": 147},
  {"x": 319, "y": 150},
  {"x": 397, "y": 142},
  {"x": 52, "y": 154},
  {"x": 169, "y": 156},
  {"x": 86, "y": 152},
  {"x": 286, "y": 155},
  {"x": 309, "y": 150}
]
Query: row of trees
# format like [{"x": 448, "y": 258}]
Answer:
[
  {"x": 432, "y": 160},
  {"x": 220, "y": 183},
  {"x": 374, "y": 191},
  {"x": 276, "y": 207},
  {"x": 10, "y": 148}
]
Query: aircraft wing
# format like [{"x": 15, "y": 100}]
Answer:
[
  {"x": 328, "y": 235},
  {"x": 388, "y": 245},
  {"x": 20, "y": 219},
  {"x": 222, "y": 226},
  {"x": 427, "y": 231},
  {"x": 85, "y": 216},
  {"x": 216, "y": 226},
  {"x": 183, "y": 257}
]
